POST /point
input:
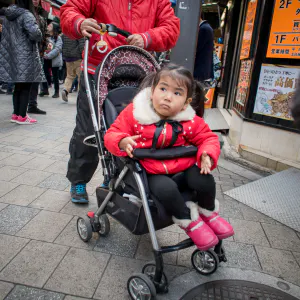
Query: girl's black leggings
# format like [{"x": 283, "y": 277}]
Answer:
[
  {"x": 21, "y": 98},
  {"x": 202, "y": 190}
]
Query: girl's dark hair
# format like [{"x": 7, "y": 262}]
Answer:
[
  {"x": 25, "y": 4},
  {"x": 184, "y": 77},
  {"x": 56, "y": 31}
]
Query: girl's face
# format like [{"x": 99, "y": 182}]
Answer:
[
  {"x": 50, "y": 28},
  {"x": 35, "y": 3},
  {"x": 168, "y": 98}
]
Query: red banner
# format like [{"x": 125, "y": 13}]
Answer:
[{"x": 50, "y": 8}]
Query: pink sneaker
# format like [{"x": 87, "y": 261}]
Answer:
[
  {"x": 220, "y": 227},
  {"x": 14, "y": 118},
  {"x": 26, "y": 120},
  {"x": 203, "y": 237}
]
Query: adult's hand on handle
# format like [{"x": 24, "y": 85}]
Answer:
[
  {"x": 89, "y": 26},
  {"x": 136, "y": 40},
  {"x": 128, "y": 143}
]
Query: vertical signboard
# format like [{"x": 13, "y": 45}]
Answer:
[
  {"x": 248, "y": 31},
  {"x": 284, "y": 41}
]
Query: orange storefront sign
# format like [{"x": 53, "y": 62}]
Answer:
[
  {"x": 248, "y": 31},
  {"x": 284, "y": 41}
]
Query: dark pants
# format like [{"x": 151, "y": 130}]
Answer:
[
  {"x": 83, "y": 159},
  {"x": 21, "y": 98},
  {"x": 55, "y": 73},
  {"x": 33, "y": 95},
  {"x": 168, "y": 193}
]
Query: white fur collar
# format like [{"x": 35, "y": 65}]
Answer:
[{"x": 144, "y": 113}]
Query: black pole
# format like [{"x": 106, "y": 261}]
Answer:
[{"x": 188, "y": 11}]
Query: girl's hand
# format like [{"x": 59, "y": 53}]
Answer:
[
  {"x": 205, "y": 163},
  {"x": 128, "y": 143}
]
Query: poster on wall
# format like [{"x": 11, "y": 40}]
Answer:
[
  {"x": 276, "y": 88},
  {"x": 284, "y": 41},
  {"x": 244, "y": 82},
  {"x": 248, "y": 31}
]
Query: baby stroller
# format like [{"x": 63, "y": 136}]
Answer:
[{"x": 128, "y": 199}]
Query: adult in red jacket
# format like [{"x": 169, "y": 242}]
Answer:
[{"x": 154, "y": 27}]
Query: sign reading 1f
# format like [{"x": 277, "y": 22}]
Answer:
[{"x": 285, "y": 3}]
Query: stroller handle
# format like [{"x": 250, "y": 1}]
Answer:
[{"x": 113, "y": 30}]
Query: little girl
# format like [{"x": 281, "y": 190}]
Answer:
[{"x": 161, "y": 117}]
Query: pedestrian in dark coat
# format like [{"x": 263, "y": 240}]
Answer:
[
  {"x": 204, "y": 56},
  {"x": 19, "y": 56}
]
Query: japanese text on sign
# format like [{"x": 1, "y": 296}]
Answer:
[{"x": 284, "y": 39}]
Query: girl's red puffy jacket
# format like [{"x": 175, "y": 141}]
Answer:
[
  {"x": 154, "y": 20},
  {"x": 139, "y": 118}
]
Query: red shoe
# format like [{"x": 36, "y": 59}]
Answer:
[
  {"x": 14, "y": 118},
  {"x": 203, "y": 237},
  {"x": 26, "y": 120},
  {"x": 220, "y": 227}
]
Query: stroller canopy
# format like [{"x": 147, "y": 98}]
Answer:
[{"x": 123, "y": 66}]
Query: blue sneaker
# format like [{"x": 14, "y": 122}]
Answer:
[
  {"x": 79, "y": 194},
  {"x": 105, "y": 184}
]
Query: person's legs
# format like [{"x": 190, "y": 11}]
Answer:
[
  {"x": 16, "y": 99},
  {"x": 69, "y": 80},
  {"x": 78, "y": 70},
  {"x": 45, "y": 85},
  {"x": 10, "y": 87},
  {"x": 55, "y": 71},
  {"x": 32, "y": 105},
  {"x": 205, "y": 188},
  {"x": 184, "y": 214},
  {"x": 83, "y": 159},
  {"x": 166, "y": 191}
]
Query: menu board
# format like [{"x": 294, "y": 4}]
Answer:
[
  {"x": 248, "y": 31},
  {"x": 244, "y": 82},
  {"x": 284, "y": 41},
  {"x": 276, "y": 89}
]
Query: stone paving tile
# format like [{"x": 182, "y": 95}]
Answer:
[
  {"x": 52, "y": 136},
  {"x": 28, "y": 293},
  {"x": 34, "y": 264},
  {"x": 5, "y": 289},
  {"x": 249, "y": 232},
  {"x": 48, "y": 144},
  {"x": 4, "y": 155},
  {"x": 31, "y": 141},
  {"x": 70, "y": 237},
  {"x": 55, "y": 182},
  {"x": 279, "y": 263},
  {"x": 64, "y": 139},
  {"x": 39, "y": 163},
  {"x": 9, "y": 247},
  {"x": 32, "y": 177},
  {"x": 7, "y": 173},
  {"x": 22, "y": 195},
  {"x": 12, "y": 138},
  {"x": 58, "y": 167},
  {"x": 145, "y": 250},
  {"x": 6, "y": 187},
  {"x": 119, "y": 241},
  {"x": 251, "y": 214},
  {"x": 282, "y": 237},
  {"x": 16, "y": 160},
  {"x": 297, "y": 256},
  {"x": 184, "y": 256},
  {"x": 45, "y": 226},
  {"x": 2, "y": 205},
  {"x": 62, "y": 146},
  {"x": 51, "y": 200},
  {"x": 241, "y": 256},
  {"x": 230, "y": 208},
  {"x": 29, "y": 133},
  {"x": 79, "y": 273},
  {"x": 74, "y": 298},
  {"x": 13, "y": 218},
  {"x": 80, "y": 209}
]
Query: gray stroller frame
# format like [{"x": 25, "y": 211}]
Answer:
[{"x": 152, "y": 280}]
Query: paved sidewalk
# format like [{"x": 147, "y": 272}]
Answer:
[{"x": 41, "y": 255}]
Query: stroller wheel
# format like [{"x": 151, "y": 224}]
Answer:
[
  {"x": 140, "y": 287},
  {"x": 149, "y": 270},
  {"x": 205, "y": 262},
  {"x": 104, "y": 225},
  {"x": 84, "y": 228}
]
